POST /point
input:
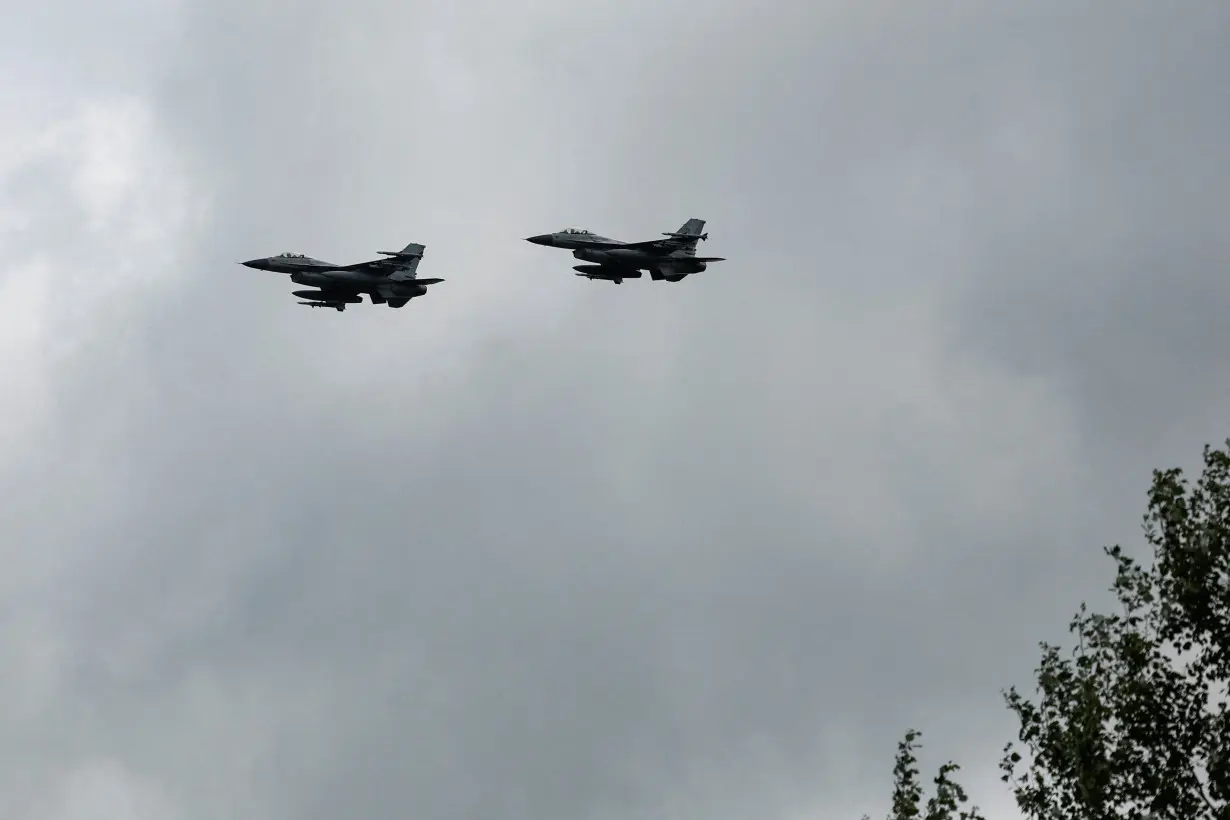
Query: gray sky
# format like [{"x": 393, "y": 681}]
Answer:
[{"x": 536, "y": 548}]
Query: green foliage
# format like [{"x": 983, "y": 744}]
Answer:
[
  {"x": 908, "y": 792},
  {"x": 1135, "y": 723}
]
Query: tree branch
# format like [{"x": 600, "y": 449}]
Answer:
[{"x": 1191, "y": 768}]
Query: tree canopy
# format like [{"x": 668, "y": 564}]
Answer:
[
  {"x": 1132, "y": 721},
  {"x": 949, "y": 799}
]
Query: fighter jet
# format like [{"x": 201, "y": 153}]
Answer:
[
  {"x": 671, "y": 259},
  {"x": 393, "y": 281}
]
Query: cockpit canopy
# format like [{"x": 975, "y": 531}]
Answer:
[
  {"x": 578, "y": 231},
  {"x": 289, "y": 255}
]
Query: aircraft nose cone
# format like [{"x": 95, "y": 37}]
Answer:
[
  {"x": 541, "y": 239},
  {"x": 254, "y": 263}
]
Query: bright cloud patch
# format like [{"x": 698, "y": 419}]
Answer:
[{"x": 95, "y": 207}]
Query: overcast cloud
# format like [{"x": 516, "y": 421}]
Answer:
[{"x": 536, "y": 548}]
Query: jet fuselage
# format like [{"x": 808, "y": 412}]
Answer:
[
  {"x": 638, "y": 260},
  {"x": 614, "y": 260},
  {"x": 360, "y": 283},
  {"x": 326, "y": 276},
  {"x": 589, "y": 248}
]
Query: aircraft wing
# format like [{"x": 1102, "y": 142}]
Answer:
[
  {"x": 402, "y": 261},
  {"x": 661, "y": 246},
  {"x": 382, "y": 267},
  {"x": 673, "y": 242}
]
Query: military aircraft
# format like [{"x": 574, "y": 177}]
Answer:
[
  {"x": 671, "y": 259},
  {"x": 393, "y": 281}
]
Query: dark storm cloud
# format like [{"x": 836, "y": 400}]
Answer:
[{"x": 533, "y": 547}]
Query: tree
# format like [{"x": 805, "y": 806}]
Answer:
[
  {"x": 1134, "y": 723},
  {"x": 908, "y": 794}
]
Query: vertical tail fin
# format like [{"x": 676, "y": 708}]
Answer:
[
  {"x": 684, "y": 240},
  {"x": 410, "y": 267},
  {"x": 692, "y": 227},
  {"x": 405, "y": 261},
  {"x": 413, "y": 249}
]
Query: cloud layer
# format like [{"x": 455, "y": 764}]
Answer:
[{"x": 537, "y": 547}]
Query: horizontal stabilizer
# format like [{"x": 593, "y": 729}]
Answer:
[
  {"x": 701, "y": 236},
  {"x": 705, "y": 259},
  {"x": 427, "y": 281}
]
